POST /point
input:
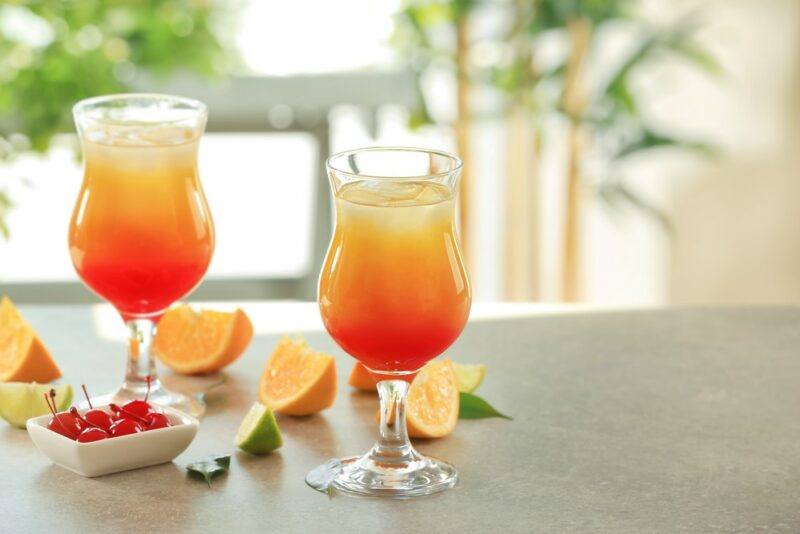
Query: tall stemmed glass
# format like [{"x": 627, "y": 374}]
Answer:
[
  {"x": 394, "y": 294},
  {"x": 141, "y": 234}
]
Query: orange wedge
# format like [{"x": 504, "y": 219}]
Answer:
[
  {"x": 191, "y": 342},
  {"x": 361, "y": 379},
  {"x": 297, "y": 379},
  {"x": 23, "y": 356}
]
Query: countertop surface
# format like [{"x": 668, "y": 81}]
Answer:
[{"x": 657, "y": 420}]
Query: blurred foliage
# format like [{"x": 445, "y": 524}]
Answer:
[
  {"x": 56, "y": 52},
  {"x": 5, "y": 207},
  {"x": 506, "y": 60}
]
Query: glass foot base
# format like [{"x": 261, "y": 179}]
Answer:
[
  {"x": 160, "y": 396},
  {"x": 363, "y": 475}
]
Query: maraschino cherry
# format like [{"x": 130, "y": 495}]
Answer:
[
  {"x": 92, "y": 433},
  {"x": 123, "y": 413},
  {"x": 140, "y": 407},
  {"x": 96, "y": 417},
  {"x": 123, "y": 427},
  {"x": 157, "y": 420},
  {"x": 89, "y": 431},
  {"x": 63, "y": 423}
]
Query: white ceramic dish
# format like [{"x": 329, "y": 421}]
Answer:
[{"x": 115, "y": 454}]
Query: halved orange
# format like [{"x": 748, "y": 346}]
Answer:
[
  {"x": 297, "y": 379},
  {"x": 192, "y": 342},
  {"x": 360, "y": 378},
  {"x": 23, "y": 356},
  {"x": 432, "y": 410}
]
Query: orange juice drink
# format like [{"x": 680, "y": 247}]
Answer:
[
  {"x": 393, "y": 291},
  {"x": 141, "y": 234}
]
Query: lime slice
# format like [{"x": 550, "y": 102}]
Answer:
[
  {"x": 469, "y": 376},
  {"x": 19, "y": 401},
  {"x": 259, "y": 433}
]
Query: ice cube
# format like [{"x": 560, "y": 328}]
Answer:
[
  {"x": 382, "y": 193},
  {"x": 431, "y": 194}
]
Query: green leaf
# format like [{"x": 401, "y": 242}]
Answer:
[
  {"x": 5, "y": 206},
  {"x": 426, "y": 15},
  {"x": 650, "y": 139},
  {"x": 637, "y": 56},
  {"x": 321, "y": 478},
  {"x": 555, "y": 71},
  {"x": 677, "y": 40},
  {"x": 419, "y": 115},
  {"x": 621, "y": 94},
  {"x": 209, "y": 467},
  {"x": 473, "y": 407},
  {"x": 5, "y": 200},
  {"x": 698, "y": 56},
  {"x": 462, "y": 8},
  {"x": 555, "y": 14},
  {"x": 507, "y": 78},
  {"x": 547, "y": 17}
]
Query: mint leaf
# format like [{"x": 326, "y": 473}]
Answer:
[
  {"x": 209, "y": 467},
  {"x": 473, "y": 407}
]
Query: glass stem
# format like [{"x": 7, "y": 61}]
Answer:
[
  {"x": 141, "y": 363},
  {"x": 393, "y": 446}
]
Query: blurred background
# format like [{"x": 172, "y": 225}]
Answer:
[{"x": 617, "y": 152}]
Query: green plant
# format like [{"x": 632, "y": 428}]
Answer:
[
  {"x": 56, "y": 52},
  {"x": 604, "y": 116}
]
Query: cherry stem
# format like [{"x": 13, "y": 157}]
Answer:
[
  {"x": 51, "y": 398},
  {"x": 79, "y": 417},
  {"x": 49, "y": 407},
  {"x": 115, "y": 408},
  {"x": 148, "y": 379},
  {"x": 86, "y": 394}
]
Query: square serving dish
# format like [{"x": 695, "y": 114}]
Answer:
[{"x": 115, "y": 454}]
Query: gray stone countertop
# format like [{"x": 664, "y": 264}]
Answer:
[{"x": 664, "y": 420}]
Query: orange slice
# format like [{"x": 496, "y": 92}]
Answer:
[
  {"x": 191, "y": 342},
  {"x": 297, "y": 379},
  {"x": 432, "y": 410},
  {"x": 361, "y": 379},
  {"x": 433, "y": 401},
  {"x": 23, "y": 356}
]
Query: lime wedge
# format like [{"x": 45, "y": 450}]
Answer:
[
  {"x": 469, "y": 376},
  {"x": 259, "y": 433},
  {"x": 19, "y": 401}
]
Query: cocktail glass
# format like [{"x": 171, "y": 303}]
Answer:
[
  {"x": 394, "y": 294},
  {"x": 141, "y": 234}
]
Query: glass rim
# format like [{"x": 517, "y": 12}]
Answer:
[
  {"x": 458, "y": 163},
  {"x": 194, "y": 108}
]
